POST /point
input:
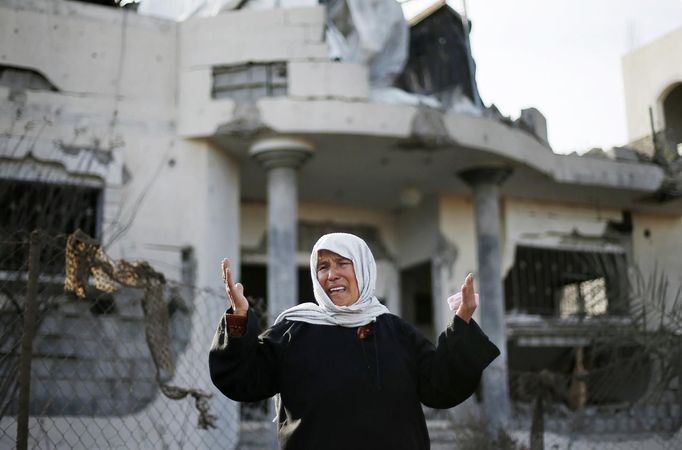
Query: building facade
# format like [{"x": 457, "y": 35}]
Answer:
[{"x": 237, "y": 136}]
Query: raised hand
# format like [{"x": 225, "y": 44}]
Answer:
[
  {"x": 235, "y": 291},
  {"x": 468, "y": 306}
]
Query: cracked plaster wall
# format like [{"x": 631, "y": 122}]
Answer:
[
  {"x": 458, "y": 247},
  {"x": 112, "y": 123},
  {"x": 544, "y": 223},
  {"x": 657, "y": 245},
  {"x": 240, "y": 37},
  {"x": 107, "y": 117},
  {"x": 85, "y": 49},
  {"x": 655, "y": 242}
]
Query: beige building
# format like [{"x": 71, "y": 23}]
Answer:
[
  {"x": 237, "y": 135},
  {"x": 653, "y": 97},
  {"x": 653, "y": 94}
]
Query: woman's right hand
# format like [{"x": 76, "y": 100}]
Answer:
[
  {"x": 235, "y": 291},
  {"x": 468, "y": 306}
]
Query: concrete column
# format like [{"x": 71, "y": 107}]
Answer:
[
  {"x": 484, "y": 182},
  {"x": 281, "y": 157}
]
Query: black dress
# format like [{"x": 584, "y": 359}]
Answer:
[{"x": 339, "y": 391}]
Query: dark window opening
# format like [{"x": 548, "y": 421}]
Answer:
[
  {"x": 438, "y": 62},
  {"x": 254, "y": 277},
  {"x": 23, "y": 78},
  {"x": 565, "y": 283},
  {"x": 417, "y": 297},
  {"x": 423, "y": 313},
  {"x": 255, "y": 281},
  {"x": 672, "y": 109},
  {"x": 305, "y": 286},
  {"x": 55, "y": 210}
]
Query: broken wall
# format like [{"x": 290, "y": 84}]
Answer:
[
  {"x": 546, "y": 224},
  {"x": 244, "y": 38},
  {"x": 552, "y": 251},
  {"x": 107, "y": 118},
  {"x": 110, "y": 120},
  {"x": 652, "y": 244}
]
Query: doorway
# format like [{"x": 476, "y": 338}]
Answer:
[{"x": 416, "y": 296}]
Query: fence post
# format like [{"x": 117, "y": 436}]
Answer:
[{"x": 27, "y": 341}]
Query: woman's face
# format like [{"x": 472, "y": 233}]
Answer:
[{"x": 337, "y": 277}]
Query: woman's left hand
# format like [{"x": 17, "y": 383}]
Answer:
[{"x": 468, "y": 306}]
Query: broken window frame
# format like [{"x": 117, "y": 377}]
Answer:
[
  {"x": 528, "y": 285},
  {"x": 50, "y": 218},
  {"x": 249, "y": 82}
]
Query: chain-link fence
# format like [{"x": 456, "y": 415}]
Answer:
[
  {"x": 93, "y": 375},
  {"x": 86, "y": 372},
  {"x": 594, "y": 353},
  {"x": 610, "y": 394}
]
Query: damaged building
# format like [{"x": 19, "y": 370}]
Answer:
[{"x": 249, "y": 128}]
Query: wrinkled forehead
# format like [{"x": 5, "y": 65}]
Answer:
[
  {"x": 328, "y": 255},
  {"x": 323, "y": 255},
  {"x": 342, "y": 244}
]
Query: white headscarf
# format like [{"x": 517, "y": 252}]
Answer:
[{"x": 365, "y": 310}]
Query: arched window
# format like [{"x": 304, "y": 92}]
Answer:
[{"x": 672, "y": 110}]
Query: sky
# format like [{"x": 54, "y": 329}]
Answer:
[{"x": 563, "y": 57}]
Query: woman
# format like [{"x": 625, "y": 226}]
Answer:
[{"x": 349, "y": 374}]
